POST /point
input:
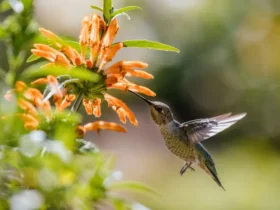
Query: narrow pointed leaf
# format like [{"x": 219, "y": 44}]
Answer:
[
  {"x": 150, "y": 45},
  {"x": 78, "y": 73},
  {"x": 96, "y": 7},
  {"x": 107, "y": 9},
  {"x": 32, "y": 58},
  {"x": 133, "y": 186},
  {"x": 125, "y": 9}
]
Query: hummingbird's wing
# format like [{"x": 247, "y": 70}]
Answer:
[{"x": 202, "y": 129}]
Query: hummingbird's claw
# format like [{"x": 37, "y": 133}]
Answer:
[{"x": 185, "y": 167}]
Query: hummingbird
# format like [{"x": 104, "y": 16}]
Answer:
[{"x": 184, "y": 139}]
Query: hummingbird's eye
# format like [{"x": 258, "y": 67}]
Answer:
[{"x": 159, "y": 109}]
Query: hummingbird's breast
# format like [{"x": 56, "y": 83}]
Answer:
[{"x": 177, "y": 143}]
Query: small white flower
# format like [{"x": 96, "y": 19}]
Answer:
[
  {"x": 17, "y": 6},
  {"x": 26, "y": 200},
  {"x": 138, "y": 206}
]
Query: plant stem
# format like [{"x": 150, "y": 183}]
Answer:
[{"x": 77, "y": 103}]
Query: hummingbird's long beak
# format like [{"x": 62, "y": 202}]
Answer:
[{"x": 144, "y": 99}]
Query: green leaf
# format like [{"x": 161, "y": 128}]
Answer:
[
  {"x": 133, "y": 186},
  {"x": 5, "y": 6},
  {"x": 107, "y": 9},
  {"x": 72, "y": 44},
  {"x": 119, "y": 203},
  {"x": 27, "y": 4},
  {"x": 150, "y": 45},
  {"x": 96, "y": 7},
  {"x": 124, "y": 9},
  {"x": 32, "y": 58},
  {"x": 3, "y": 33},
  {"x": 78, "y": 73},
  {"x": 2, "y": 73}
]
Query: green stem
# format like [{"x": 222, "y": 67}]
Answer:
[{"x": 107, "y": 9}]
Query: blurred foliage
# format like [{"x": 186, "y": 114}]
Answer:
[{"x": 18, "y": 31}]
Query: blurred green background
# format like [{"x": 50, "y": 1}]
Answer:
[{"x": 229, "y": 62}]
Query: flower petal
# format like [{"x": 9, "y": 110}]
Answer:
[
  {"x": 27, "y": 107},
  {"x": 94, "y": 33},
  {"x": 84, "y": 35},
  {"x": 122, "y": 115},
  {"x": 88, "y": 106},
  {"x": 80, "y": 131},
  {"x": 111, "y": 80},
  {"x": 66, "y": 102},
  {"x": 20, "y": 86},
  {"x": 112, "y": 101},
  {"x": 48, "y": 34},
  {"x": 27, "y": 118},
  {"x": 73, "y": 55},
  {"x": 47, "y": 55},
  {"x": 138, "y": 73},
  {"x": 97, "y": 107},
  {"x": 45, "y": 48},
  {"x": 110, "y": 33},
  {"x": 122, "y": 65},
  {"x": 32, "y": 94},
  {"x": 109, "y": 53},
  {"x": 124, "y": 86},
  {"x": 62, "y": 60},
  {"x": 30, "y": 126},
  {"x": 40, "y": 81},
  {"x": 101, "y": 125}
]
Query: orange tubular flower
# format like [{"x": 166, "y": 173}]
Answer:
[
  {"x": 97, "y": 49},
  {"x": 121, "y": 109},
  {"x": 104, "y": 125},
  {"x": 34, "y": 107}
]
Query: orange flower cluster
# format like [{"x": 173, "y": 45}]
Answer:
[
  {"x": 97, "y": 50},
  {"x": 34, "y": 107}
]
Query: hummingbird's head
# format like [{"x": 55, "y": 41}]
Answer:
[{"x": 160, "y": 112}]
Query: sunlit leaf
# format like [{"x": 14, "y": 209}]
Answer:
[
  {"x": 32, "y": 58},
  {"x": 124, "y": 9},
  {"x": 96, "y": 7},
  {"x": 27, "y": 4},
  {"x": 4, "y": 6},
  {"x": 119, "y": 203},
  {"x": 134, "y": 186},
  {"x": 107, "y": 9},
  {"x": 3, "y": 33},
  {"x": 150, "y": 45},
  {"x": 78, "y": 73}
]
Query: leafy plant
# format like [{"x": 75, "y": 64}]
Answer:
[{"x": 45, "y": 162}]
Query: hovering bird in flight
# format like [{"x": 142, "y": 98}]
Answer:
[{"x": 183, "y": 139}]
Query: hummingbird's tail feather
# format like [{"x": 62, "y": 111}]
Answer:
[{"x": 209, "y": 168}]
